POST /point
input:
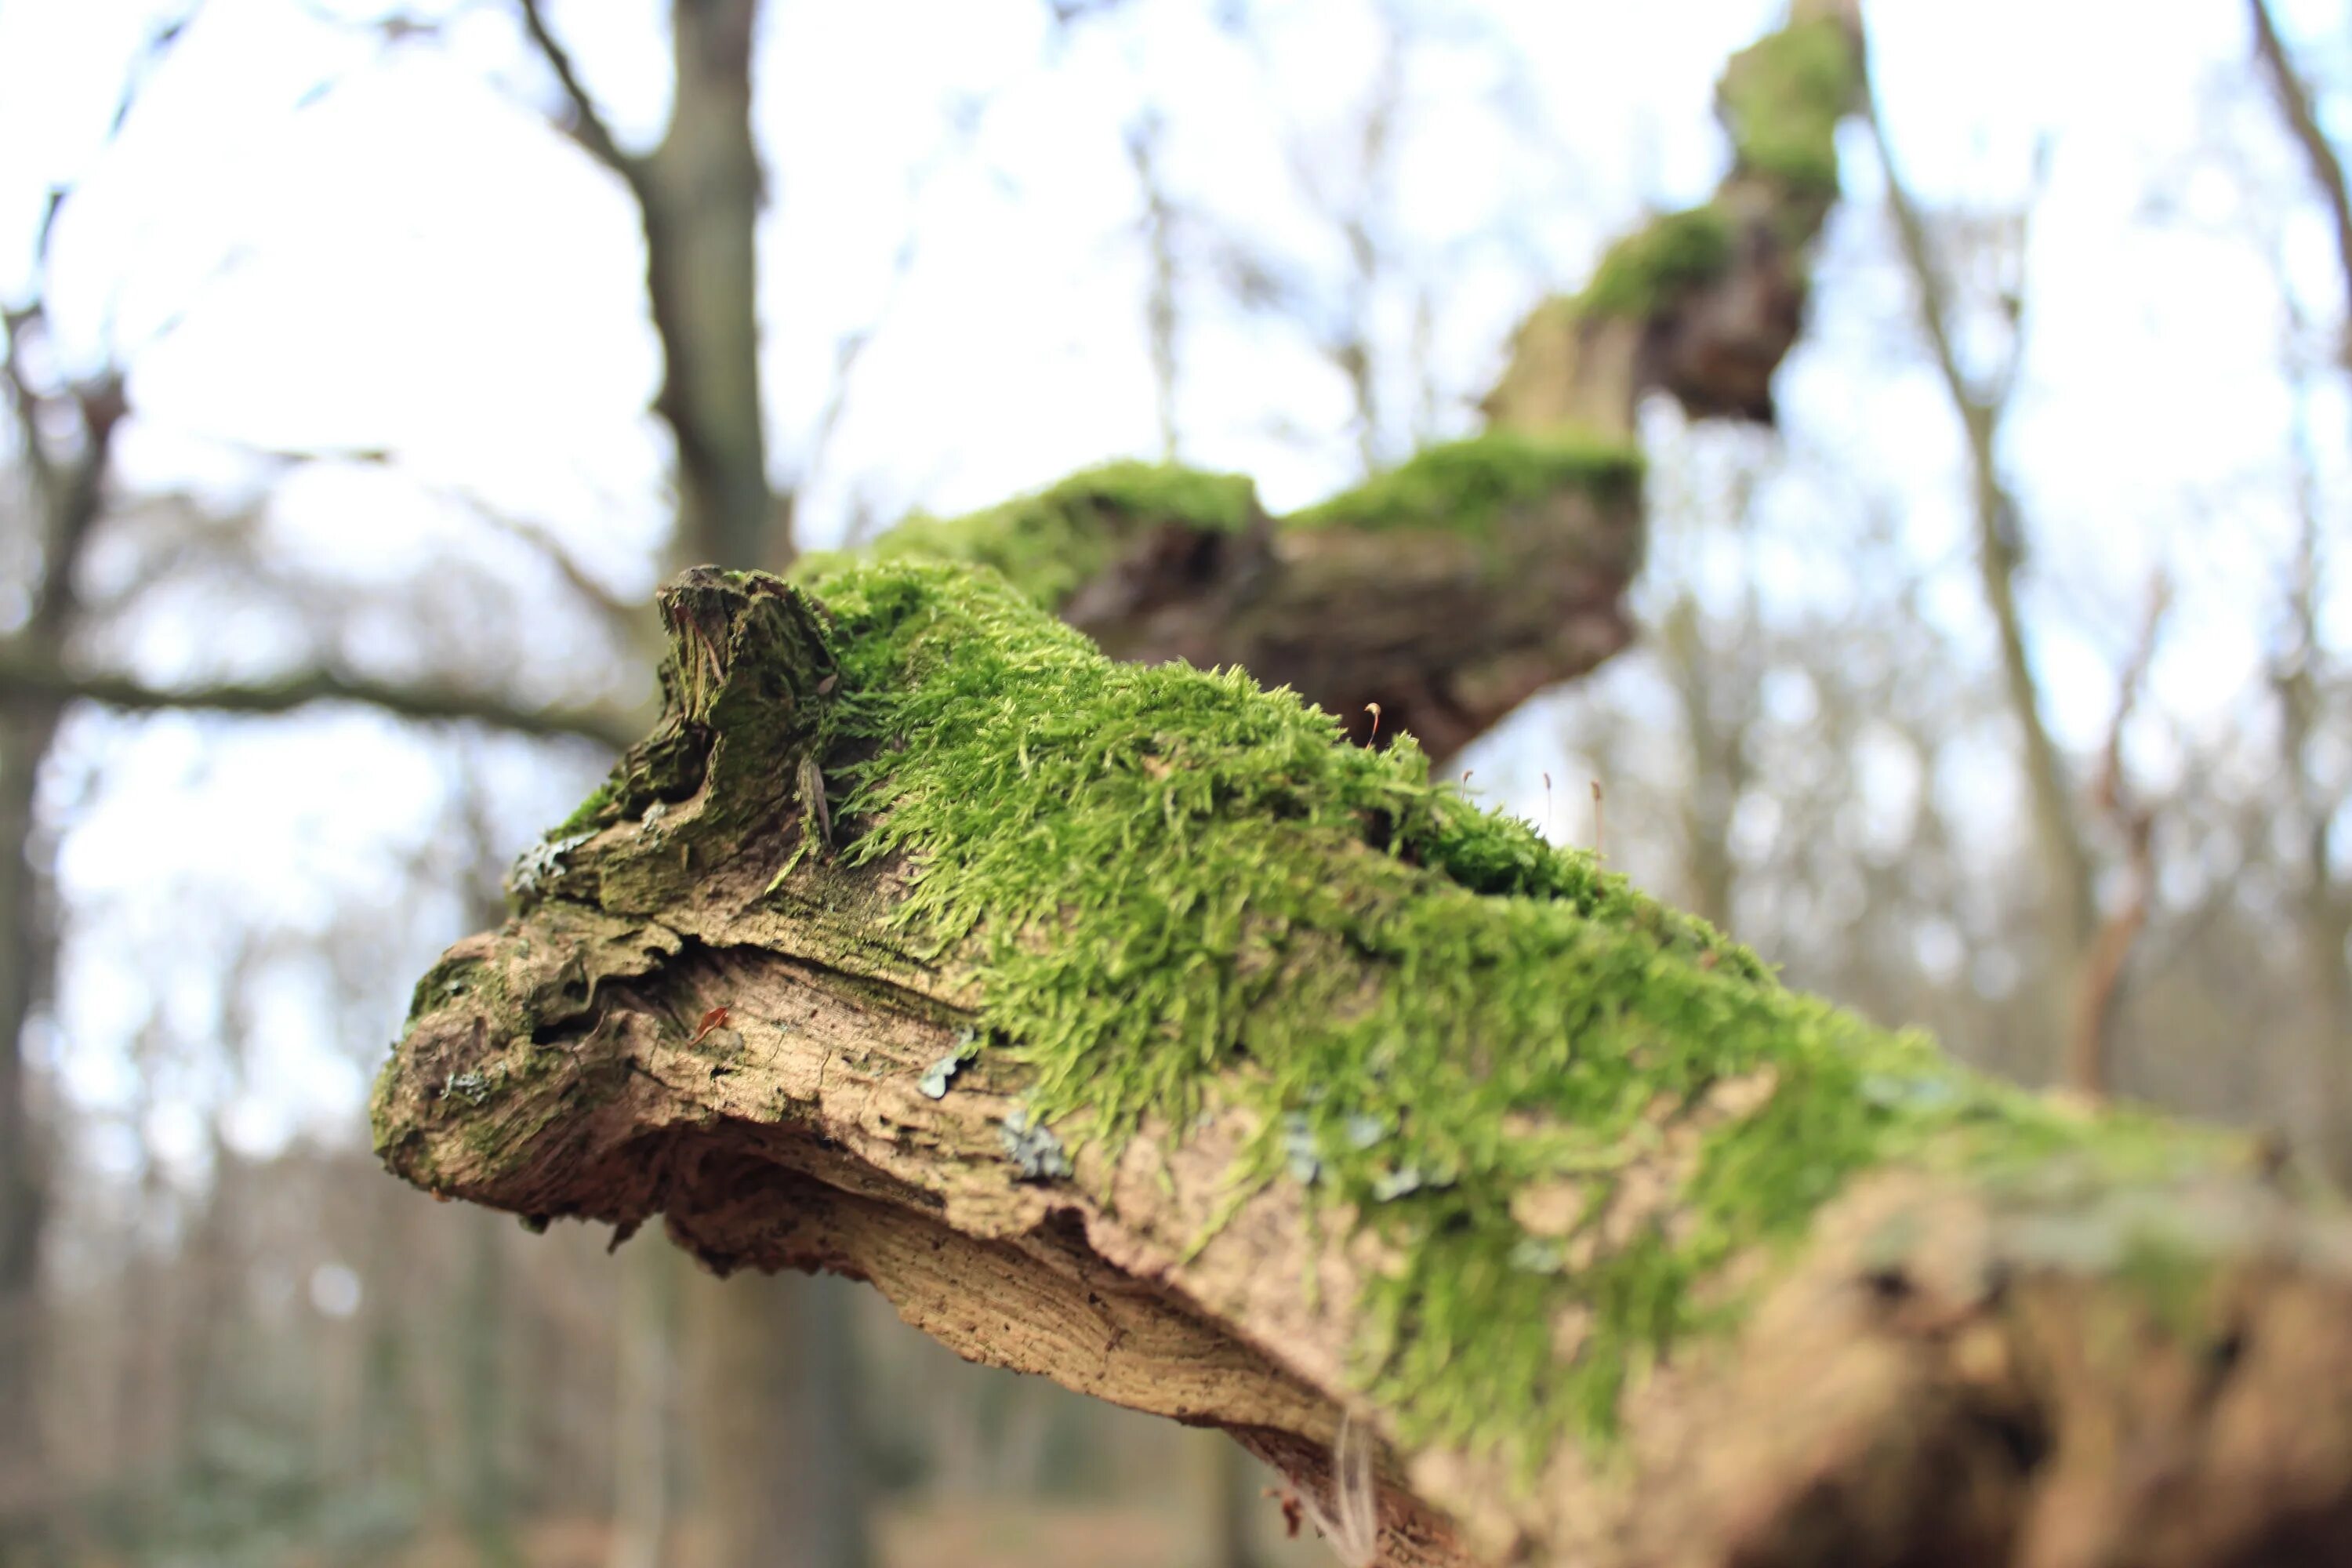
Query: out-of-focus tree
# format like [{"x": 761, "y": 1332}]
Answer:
[
  {"x": 67, "y": 416},
  {"x": 2307, "y": 675}
]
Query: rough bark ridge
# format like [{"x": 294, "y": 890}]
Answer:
[{"x": 1126, "y": 1025}]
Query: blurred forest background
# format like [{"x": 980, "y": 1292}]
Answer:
[{"x": 340, "y": 463}]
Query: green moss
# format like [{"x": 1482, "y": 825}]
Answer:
[
  {"x": 1181, "y": 888},
  {"x": 589, "y": 815},
  {"x": 1470, "y": 484},
  {"x": 1781, "y": 98},
  {"x": 1644, "y": 271},
  {"x": 1049, "y": 543}
]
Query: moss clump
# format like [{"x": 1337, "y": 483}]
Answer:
[
  {"x": 1469, "y": 486},
  {"x": 1643, "y": 272},
  {"x": 1781, "y": 98},
  {"x": 1177, "y": 886},
  {"x": 1050, "y": 544}
]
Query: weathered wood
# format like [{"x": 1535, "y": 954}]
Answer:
[{"x": 1816, "y": 1298}]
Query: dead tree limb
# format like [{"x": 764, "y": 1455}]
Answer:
[{"x": 1123, "y": 1025}]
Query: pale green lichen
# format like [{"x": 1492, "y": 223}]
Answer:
[
  {"x": 1469, "y": 486},
  {"x": 1179, "y": 888},
  {"x": 1781, "y": 98}
]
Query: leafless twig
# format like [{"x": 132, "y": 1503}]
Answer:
[{"x": 587, "y": 124}]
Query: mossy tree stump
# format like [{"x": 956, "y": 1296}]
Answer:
[{"x": 1124, "y": 1025}]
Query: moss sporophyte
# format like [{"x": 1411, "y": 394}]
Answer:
[{"x": 1566, "y": 1107}]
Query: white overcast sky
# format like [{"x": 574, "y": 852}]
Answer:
[{"x": 302, "y": 241}]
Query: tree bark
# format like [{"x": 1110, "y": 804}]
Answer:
[{"x": 1324, "y": 1093}]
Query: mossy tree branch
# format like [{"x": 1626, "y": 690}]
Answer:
[
  {"x": 1436, "y": 599},
  {"x": 1430, "y": 601},
  {"x": 1126, "y": 1025},
  {"x": 1704, "y": 304}
]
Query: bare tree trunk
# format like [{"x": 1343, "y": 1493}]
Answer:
[
  {"x": 764, "y": 1344},
  {"x": 1227, "y": 1505},
  {"x": 487, "y": 1495},
  {"x": 69, "y": 481},
  {"x": 645, "y": 1407},
  {"x": 24, "y": 961},
  {"x": 701, "y": 196}
]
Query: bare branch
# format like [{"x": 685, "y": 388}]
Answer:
[
  {"x": 624, "y": 615},
  {"x": 1159, "y": 224},
  {"x": 2099, "y": 986},
  {"x": 1928, "y": 277},
  {"x": 2303, "y": 122},
  {"x": 587, "y": 126},
  {"x": 24, "y": 676},
  {"x": 70, "y": 491},
  {"x": 24, "y": 401},
  {"x": 2073, "y": 917}
]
